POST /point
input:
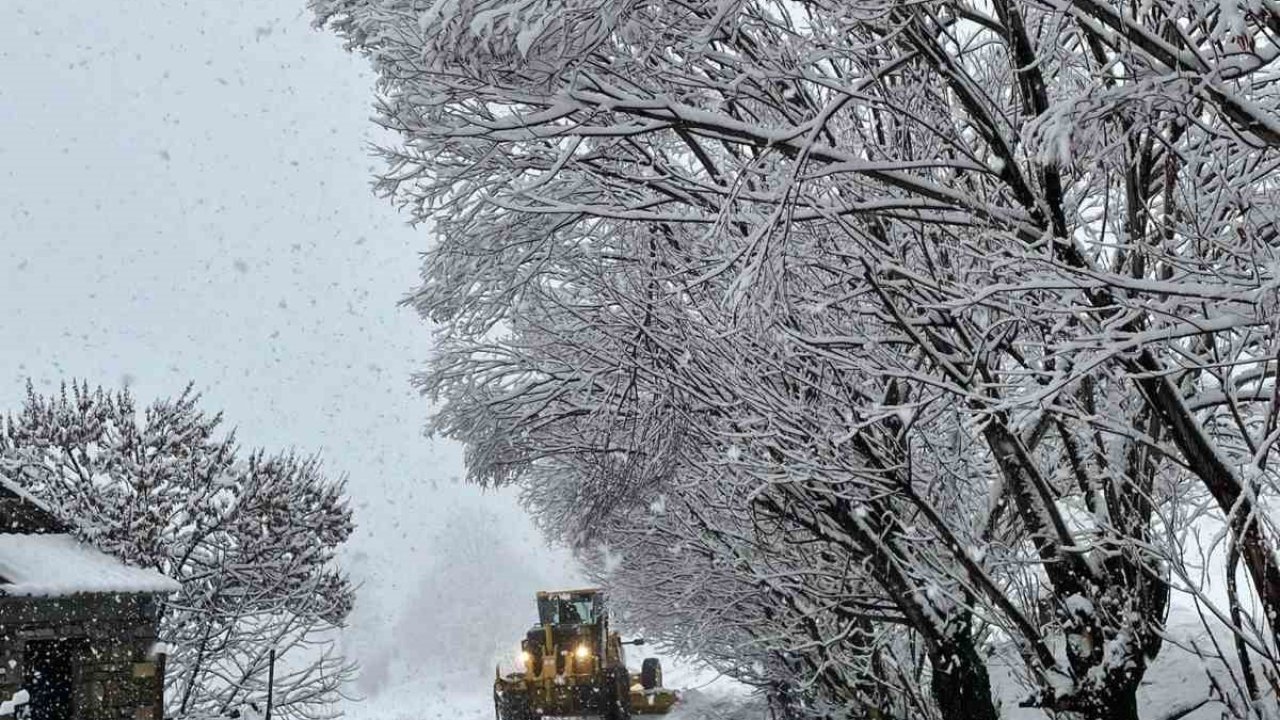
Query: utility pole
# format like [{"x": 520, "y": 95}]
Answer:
[{"x": 271, "y": 680}]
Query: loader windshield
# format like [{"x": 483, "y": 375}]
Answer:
[{"x": 569, "y": 609}]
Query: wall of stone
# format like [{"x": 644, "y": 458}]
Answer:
[{"x": 114, "y": 674}]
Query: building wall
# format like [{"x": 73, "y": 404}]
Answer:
[{"x": 114, "y": 676}]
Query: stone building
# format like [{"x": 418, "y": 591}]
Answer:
[{"x": 77, "y": 626}]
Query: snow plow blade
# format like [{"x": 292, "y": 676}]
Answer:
[
  {"x": 517, "y": 697},
  {"x": 653, "y": 702}
]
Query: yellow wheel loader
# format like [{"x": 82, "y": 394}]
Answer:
[{"x": 574, "y": 665}]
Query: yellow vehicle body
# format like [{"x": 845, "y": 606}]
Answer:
[{"x": 574, "y": 665}]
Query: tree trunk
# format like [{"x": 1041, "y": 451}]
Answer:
[
  {"x": 1118, "y": 704},
  {"x": 961, "y": 686},
  {"x": 1235, "y": 501}
]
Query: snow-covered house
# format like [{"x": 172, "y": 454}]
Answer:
[{"x": 77, "y": 626}]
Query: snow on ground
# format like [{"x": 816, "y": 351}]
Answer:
[
  {"x": 412, "y": 694},
  {"x": 718, "y": 705},
  {"x": 1176, "y": 681},
  {"x": 409, "y": 702},
  {"x": 456, "y": 685},
  {"x": 449, "y": 697}
]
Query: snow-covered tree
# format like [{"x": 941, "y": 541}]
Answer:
[
  {"x": 252, "y": 537},
  {"x": 932, "y": 329}
]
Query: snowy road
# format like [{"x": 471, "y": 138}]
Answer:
[
  {"x": 473, "y": 706},
  {"x": 424, "y": 701},
  {"x": 464, "y": 696},
  {"x": 1175, "y": 681}
]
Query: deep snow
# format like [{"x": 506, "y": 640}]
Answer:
[{"x": 1176, "y": 681}]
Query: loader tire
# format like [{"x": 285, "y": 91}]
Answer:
[
  {"x": 512, "y": 706},
  {"x": 617, "y": 695},
  {"x": 651, "y": 674}
]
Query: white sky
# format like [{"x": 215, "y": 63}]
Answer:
[{"x": 184, "y": 197}]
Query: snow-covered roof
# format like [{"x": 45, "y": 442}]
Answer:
[
  {"x": 22, "y": 512},
  {"x": 55, "y": 565},
  {"x": 8, "y": 486}
]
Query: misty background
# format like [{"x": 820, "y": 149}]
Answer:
[{"x": 186, "y": 199}]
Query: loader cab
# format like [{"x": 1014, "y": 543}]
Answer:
[
  {"x": 579, "y": 607},
  {"x": 572, "y": 635}
]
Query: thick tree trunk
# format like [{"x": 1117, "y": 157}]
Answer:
[
  {"x": 1118, "y": 703},
  {"x": 961, "y": 686},
  {"x": 1124, "y": 706}
]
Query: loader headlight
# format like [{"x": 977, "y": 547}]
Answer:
[
  {"x": 583, "y": 652},
  {"x": 526, "y": 657}
]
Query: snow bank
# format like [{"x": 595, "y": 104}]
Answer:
[
  {"x": 10, "y": 706},
  {"x": 697, "y": 705},
  {"x": 58, "y": 565}
]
